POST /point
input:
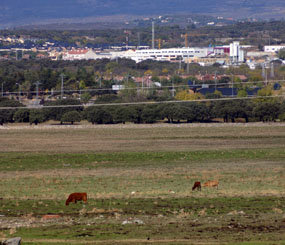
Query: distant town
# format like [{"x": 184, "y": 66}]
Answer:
[
  {"x": 88, "y": 65},
  {"x": 233, "y": 53}
]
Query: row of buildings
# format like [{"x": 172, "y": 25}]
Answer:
[
  {"x": 227, "y": 55},
  {"x": 233, "y": 54}
]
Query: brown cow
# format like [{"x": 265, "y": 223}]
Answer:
[
  {"x": 213, "y": 183},
  {"x": 74, "y": 197},
  {"x": 197, "y": 185}
]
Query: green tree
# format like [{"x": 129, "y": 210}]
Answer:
[
  {"x": 197, "y": 112},
  {"x": 36, "y": 116},
  {"x": 150, "y": 114},
  {"x": 121, "y": 114},
  {"x": 216, "y": 95},
  {"x": 22, "y": 115},
  {"x": 242, "y": 93},
  {"x": 185, "y": 95},
  {"x": 129, "y": 94},
  {"x": 265, "y": 92},
  {"x": 7, "y": 115},
  {"x": 136, "y": 113},
  {"x": 85, "y": 97},
  {"x": 98, "y": 115},
  {"x": 225, "y": 110},
  {"x": 60, "y": 108},
  {"x": 267, "y": 111},
  {"x": 282, "y": 111},
  {"x": 71, "y": 116},
  {"x": 244, "y": 109},
  {"x": 281, "y": 54},
  {"x": 173, "y": 112}
]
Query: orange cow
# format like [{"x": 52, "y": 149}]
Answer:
[
  {"x": 197, "y": 185},
  {"x": 213, "y": 183},
  {"x": 74, "y": 197}
]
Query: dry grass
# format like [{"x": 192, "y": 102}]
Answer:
[
  {"x": 140, "y": 138},
  {"x": 245, "y": 178}
]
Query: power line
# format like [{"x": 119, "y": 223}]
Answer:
[
  {"x": 136, "y": 88},
  {"x": 61, "y": 90},
  {"x": 144, "y": 103}
]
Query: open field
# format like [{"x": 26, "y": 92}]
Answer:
[
  {"x": 142, "y": 175},
  {"x": 140, "y": 138}
]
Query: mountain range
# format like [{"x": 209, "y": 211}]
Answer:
[{"x": 26, "y": 12}]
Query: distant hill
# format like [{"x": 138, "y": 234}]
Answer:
[{"x": 21, "y": 12}]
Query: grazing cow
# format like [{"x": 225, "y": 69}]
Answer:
[
  {"x": 213, "y": 183},
  {"x": 74, "y": 197},
  {"x": 197, "y": 185}
]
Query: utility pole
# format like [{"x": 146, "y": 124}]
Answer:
[
  {"x": 232, "y": 85},
  {"x": 152, "y": 35},
  {"x": 37, "y": 88},
  {"x": 266, "y": 80},
  {"x": 180, "y": 60},
  {"x": 19, "y": 92},
  {"x": 263, "y": 70},
  {"x": 3, "y": 89},
  {"x": 188, "y": 65},
  {"x": 62, "y": 76},
  {"x": 215, "y": 80},
  {"x": 139, "y": 39},
  {"x": 272, "y": 70},
  {"x": 128, "y": 79},
  {"x": 78, "y": 82}
]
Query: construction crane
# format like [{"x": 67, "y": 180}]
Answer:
[
  {"x": 159, "y": 43},
  {"x": 127, "y": 32},
  {"x": 191, "y": 35}
]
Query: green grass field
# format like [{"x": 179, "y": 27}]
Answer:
[{"x": 142, "y": 175}]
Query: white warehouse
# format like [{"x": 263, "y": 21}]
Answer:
[
  {"x": 164, "y": 54},
  {"x": 84, "y": 54},
  {"x": 273, "y": 48}
]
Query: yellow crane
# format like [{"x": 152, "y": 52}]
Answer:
[
  {"x": 191, "y": 35},
  {"x": 159, "y": 43}
]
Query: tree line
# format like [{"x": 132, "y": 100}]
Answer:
[{"x": 182, "y": 112}]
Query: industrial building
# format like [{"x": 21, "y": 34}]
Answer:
[
  {"x": 273, "y": 48},
  {"x": 236, "y": 54},
  {"x": 84, "y": 54},
  {"x": 164, "y": 54},
  {"x": 232, "y": 54}
]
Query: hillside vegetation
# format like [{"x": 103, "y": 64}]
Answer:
[{"x": 29, "y": 11}]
